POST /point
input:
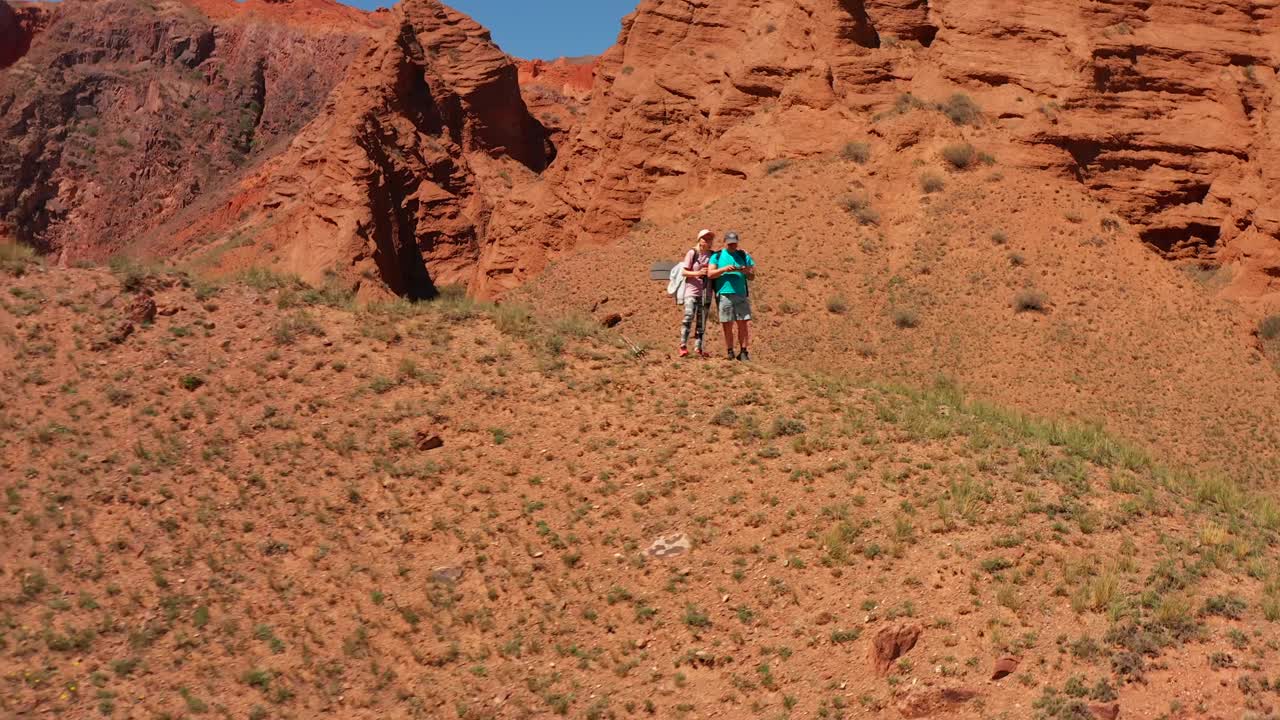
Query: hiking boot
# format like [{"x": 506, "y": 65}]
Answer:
[
  {"x": 742, "y": 355},
  {"x": 684, "y": 351},
  {"x": 703, "y": 353},
  {"x": 731, "y": 355}
]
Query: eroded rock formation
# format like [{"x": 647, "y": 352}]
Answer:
[
  {"x": 427, "y": 167},
  {"x": 19, "y": 24},
  {"x": 122, "y": 113},
  {"x": 393, "y": 185},
  {"x": 557, "y": 91},
  {"x": 1161, "y": 110}
]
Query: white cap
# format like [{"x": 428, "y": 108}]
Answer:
[{"x": 704, "y": 233}]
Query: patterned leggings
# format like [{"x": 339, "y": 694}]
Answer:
[{"x": 694, "y": 309}]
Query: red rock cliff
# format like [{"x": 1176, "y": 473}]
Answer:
[
  {"x": 392, "y": 186},
  {"x": 557, "y": 92},
  {"x": 19, "y": 24},
  {"x": 123, "y": 113},
  {"x": 1161, "y": 109}
]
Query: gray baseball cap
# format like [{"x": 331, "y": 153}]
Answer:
[{"x": 730, "y": 238}]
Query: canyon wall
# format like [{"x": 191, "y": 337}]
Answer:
[{"x": 123, "y": 113}]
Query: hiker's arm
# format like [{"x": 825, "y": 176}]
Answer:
[{"x": 716, "y": 271}]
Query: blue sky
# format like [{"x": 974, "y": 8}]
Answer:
[{"x": 542, "y": 28}]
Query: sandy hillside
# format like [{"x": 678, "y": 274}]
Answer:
[
  {"x": 260, "y": 504},
  {"x": 886, "y": 260}
]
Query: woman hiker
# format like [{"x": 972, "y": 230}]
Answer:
[{"x": 697, "y": 292}]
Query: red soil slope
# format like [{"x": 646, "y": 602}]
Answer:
[
  {"x": 862, "y": 270},
  {"x": 122, "y": 113},
  {"x": 441, "y": 511}
]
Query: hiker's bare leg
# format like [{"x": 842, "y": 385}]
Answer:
[
  {"x": 744, "y": 333},
  {"x": 728, "y": 335}
]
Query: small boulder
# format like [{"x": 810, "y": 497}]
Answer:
[
  {"x": 142, "y": 310},
  {"x": 427, "y": 441},
  {"x": 447, "y": 574},
  {"x": 669, "y": 546},
  {"x": 1004, "y": 667},
  {"x": 120, "y": 332},
  {"x": 611, "y": 320},
  {"x": 892, "y": 643}
]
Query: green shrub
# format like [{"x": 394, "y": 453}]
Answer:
[
  {"x": 962, "y": 110},
  {"x": 1269, "y": 328},
  {"x": 837, "y": 305},
  {"x": 131, "y": 273},
  {"x": 784, "y": 426},
  {"x": 263, "y": 279},
  {"x": 960, "y": 155},
  {"x": 725, "y": 418},
  {"x": 14, "y": 258},
  {"x": 513, "y": 319},
  {"x": 905, "y": 318},
  {"x": 695, "y": 617},
  {"x": 856, "y": 152},
  {"x": 1030, "y": 300},
  {"x": 860, "y": 207},
  {"x": 299, "y": 323},
  {"x": 932, "y": 182}
]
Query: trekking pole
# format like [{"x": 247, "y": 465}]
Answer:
[{"x": 635, "y": 349}]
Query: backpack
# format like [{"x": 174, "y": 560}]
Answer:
[{"x": 676, "y": 281}]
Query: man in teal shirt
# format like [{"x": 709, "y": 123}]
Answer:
[{"x": 731, "y": 269}]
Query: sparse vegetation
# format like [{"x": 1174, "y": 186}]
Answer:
[
  {"x": 859, "y": 206},
  {"x": 961, "y": 156},
  {"x": 1030, "y": 300},
  {"x": 311, "y": 460},
  {"x": 905, "y": 318},
  {"x": 15, "y": 258},
  {"x": 1269, "y": 327},
  {"x": 932, "y": 182},
  {"x": 776, "y": 166},
  {"x": 857, "y": 152},
  {"x": 962, "y": 110}
]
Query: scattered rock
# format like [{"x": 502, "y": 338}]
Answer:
[
  {"x": 611, "y": 320},
  {"x": 892, "y": 643},
  {"x": 926, "y": 702},
  {"x": 120, "y": 332},
  {"x": 1004, "y": 667},
  {"x": 1105, "y": 712},
  {"x": 449, "y": 574},
  {"x": 171, "y": 310},
  {"x": 427, "y": 441},
  {"x": 142, "y": 310},
  {"x": 669, "y": 546}
]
